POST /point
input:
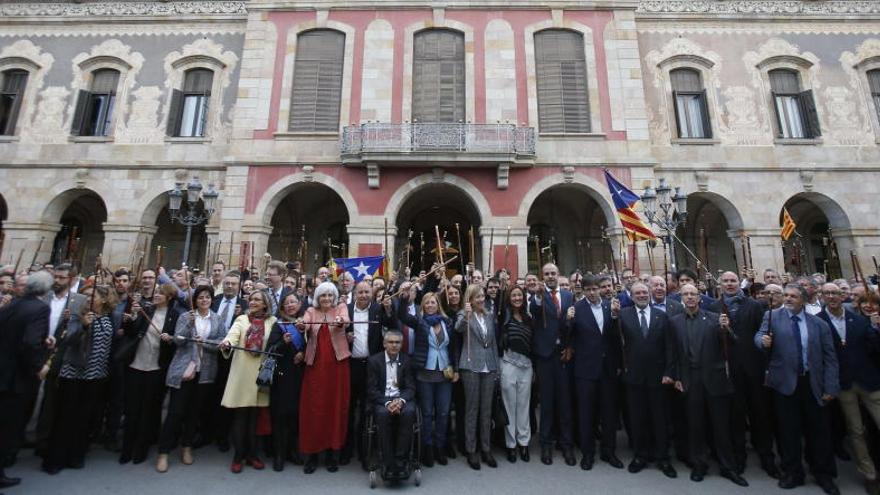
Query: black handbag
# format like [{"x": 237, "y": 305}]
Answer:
[{"x": 266, "y": 375}]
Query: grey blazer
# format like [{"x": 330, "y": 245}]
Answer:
[
  {"x": 782, "y": 370},
  {"x": 75, "y": 304},
  {"x": 477, "y": 353},
  {"x": 188, "y": 351}
]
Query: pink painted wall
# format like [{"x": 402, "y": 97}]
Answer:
[{"x": 477, "y": 19}]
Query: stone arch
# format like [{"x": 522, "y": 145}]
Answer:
[
  {"x": 411, "y": 187},
  {"x": 711, "y": 220},
  {"x": 277, "y": 192},
  {"x": 595, "y": 189},
  {"x": 819, "y": 219},
  {"x": 63, "y": 195}
]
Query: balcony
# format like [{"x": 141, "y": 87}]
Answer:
[{"x": 410, "y": 144}]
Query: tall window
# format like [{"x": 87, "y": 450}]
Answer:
[
  {"x": 563, "y": 102},
  {"x": 189, "y": 108},
  {"x": 12, "y": 84},
  {"x": 438, "y": 76},
  {"x": 94, "y": 108},
  {"x": 796, "y": 115},
  {"x": 317, "y": 81},
  {"x": 874, "y": 85},
  {"x": 691, "y": 110}
]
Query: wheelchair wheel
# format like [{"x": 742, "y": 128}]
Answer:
[
  {"x": 373, "y": 479},
  {"x": 417, "y": 477}
]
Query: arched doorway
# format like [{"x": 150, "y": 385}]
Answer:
[
  {"x": 705, "y": 232},
  {"x": 321, "y": 212},
  {"x": 81, "y": 237},
  {"x": 814, "y": 247},
  {"x": 566, "y": 224},
  {"x": 172, "y": 237},
  {"x": 443, "y": 206}
]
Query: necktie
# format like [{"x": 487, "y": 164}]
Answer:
[
  {"x": 643, "y": 323},
  {"x": 224, "y": 314},
  {"x": 556, "y": 302},
  {"x": 796, "y": 331}
]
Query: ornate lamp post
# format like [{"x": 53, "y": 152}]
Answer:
[
  {"x": 190, "y": 217},
  {"x": 672, "y": 212}
]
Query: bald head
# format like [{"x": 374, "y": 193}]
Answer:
[
  {"x": 551, "y": 275},
  {"x": 690, "y": 297},
  {"x": 730, "y": 283}
]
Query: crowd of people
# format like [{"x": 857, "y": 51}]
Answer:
[{"x": 290, "y": 365}]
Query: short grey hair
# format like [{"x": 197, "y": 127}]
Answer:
[
  {"x": 38, "y": 284},
  {"x": 327, "y": 288}
]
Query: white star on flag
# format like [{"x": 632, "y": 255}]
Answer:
[{"x": 362, "y": 270}]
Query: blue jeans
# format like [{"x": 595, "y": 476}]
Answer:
[{"x": 434, "y": 400}]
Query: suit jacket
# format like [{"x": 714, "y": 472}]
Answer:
[
  {"x": 709, "y": 352},
  {"x": 74, "y": 304},
  {"x": 337, "y": 334},
  {"x": 377, "y": 374},
  {"x": 24, "y": 326},
  {"x": 190, "y": 351},
  {"x": 596, "y": 353},
  {"x": 215, "y": 306},
  {"x": 859, "y": 358},
  {"x": 782, "y": 372},
  {"x": 137, "y": 328},
  {"x": 276, "y": 302},
  {"x": 745, "y": 320},
  {"x": 551, "y": 331},
  {"x": 707, "y": 303},
  {"x": 673, "y": 307},
  {"x": 477, "y": 352},
  {"x": 648, "y": 359},
  {"x": 374, "y": 333}
]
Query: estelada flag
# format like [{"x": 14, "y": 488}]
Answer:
[
  {"x": 624, "y": 201},
  {"x": 358, "y": 267},
  {"x": 788, "y": 225}
]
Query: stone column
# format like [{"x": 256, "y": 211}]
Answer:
[
  {"x": 23, "y": 239},
  {"x": 369, "y": 240},
  {"x": 122, "y": 245},
  {"x": 766, "y": 250}
]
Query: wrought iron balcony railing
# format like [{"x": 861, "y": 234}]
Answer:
[{"x": 418, "y": 138}]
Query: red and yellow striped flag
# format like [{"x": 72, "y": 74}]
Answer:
[{"x": 788, "y": 225}]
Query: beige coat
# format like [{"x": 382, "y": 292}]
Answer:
[{"x": 241, "y": 388}]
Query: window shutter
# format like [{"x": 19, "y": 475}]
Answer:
[
  {"x": 173, "y": 128},
  {"x": 316, "y": 91},
  {"x": 774, "y": 97},
  {"x": 563, "y": 102},
  {"x": 14, "y": 106},
  {"x": 206, "y": 108},
  {"x": 704, "y": 113},
  {"x": 79, "y": 115},
  {"x": 678, "y": 115},
  {"x": 811, "y": 116},
  {"x": 438, "y": 77}
]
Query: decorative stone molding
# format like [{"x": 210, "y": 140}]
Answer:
[
  {"x": 180, "y": 175},
  {"x": 503, "y": 176},
  {"x": 373, "y": 176},
  {"x": 702, "y": 178},
  {"x": 123, "y": 9},
  {"x": 806, "y": 177},
  {"x": 142, "y": 126},
  {"x": 308, "y": 173},
  {"x": 81, "y": 176},
  {"x": 855, "y": 65},
  {"x": 759, "y": 8},
  {"x": 568, "y": 174},
  {"x": 437, "y": 174},
  {"x": 48, "y": 123}
]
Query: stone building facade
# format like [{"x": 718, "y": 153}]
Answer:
[{"x": 365, "y": 121}]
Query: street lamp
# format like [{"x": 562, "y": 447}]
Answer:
[
  {"x": 666, "y": 212},
  {"x": 190, "y": 217}
]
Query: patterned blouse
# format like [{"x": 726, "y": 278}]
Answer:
[{"x": 98, "y": 364}]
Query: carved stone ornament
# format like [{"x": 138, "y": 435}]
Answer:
[
  {"x": 180, "y": 175},
  {"x": 437, "y": 174},
  {"x": 807, "y": 179},
  {"x": 308, "y": 173},
  {"x": 503, "y": 176},
  {"x": 568, "y": 174},
  {"x": 81, "y": 175},
  {"x": 702, "y": 178},
  {"x": 123, "y": 9},
  {"x": 373, "y": 176},
  {"x": 760, "y": 7}
]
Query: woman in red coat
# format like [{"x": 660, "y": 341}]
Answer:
[{"x": 323, "y": 414}]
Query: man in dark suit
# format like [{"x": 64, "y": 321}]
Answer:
[
  {"x": 595, "y": 342},
  {"x": 748, "y": 366},
  {"x": 552, "y": 355},
  {"x": 365, "y": 340},
  {"x": 703, "y": 376},
  {"x": 659, "y": 300},
  {"x": 275, "y": 274},
  {"x": 24, "y": 327},
  {"x": 391, "y": 390},
  {"x": 803, "y": 372},
  {"x": 648, "y": 347},
  {"x": 858, "y": 353},
  {"x": 229, "y": 306}
]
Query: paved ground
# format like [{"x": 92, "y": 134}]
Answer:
[{"x": 210, "y": 476}]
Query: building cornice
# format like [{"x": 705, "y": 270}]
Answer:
[
  {"x": 128, "y": 10},
  {"x": 449, "y": 5},
  {"x": 739, "y": 9}
]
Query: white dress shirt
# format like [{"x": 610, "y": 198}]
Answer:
[
  {"x": 360, "y": 347},
  {"x": 598, "y": 314},
  {"x": 392, "y": 388},
  {"x": 839, "y": 324},
  {"x": 56, "y": 305}
]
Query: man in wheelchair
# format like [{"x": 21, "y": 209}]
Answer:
[{"x": 391, "y": 391}]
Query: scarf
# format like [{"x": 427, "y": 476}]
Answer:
[
  {"x": 253, "y": 340},
  {"x": 433, "y": 320}
]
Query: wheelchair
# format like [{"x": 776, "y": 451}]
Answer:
[{"x": 374, "y": 463}]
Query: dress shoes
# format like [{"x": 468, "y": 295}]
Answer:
[
  {"x": 473, "y": 461},
  {"x": 427, "y": 456},
  {"x": 162, "y": 463},
  {"x": 636, "y": 465},
  {"x": 450, "y": 451},
  {"x": 440, "y": 456},
  {"x": 546, "y": 456},
  {"x": 570, "y": 459},
  {"x": 697, "y": 474},
  {"x": 6, "y": 482},
  {"x": 50, "y": 469},
  {"x": 186, "y": 455},
  {"x": 612, "y": 460},
  {"x": 524, "y": 453},
  {"x": 587, "y": 463},
  {"x": 255, "y": 463},
  {"x": 769, "y": 467},
  {"x": 788, "y": 482},
  {"x": 235, "y": 467},
  {"x": 223, "y": 446},
  {"x": 827, "y": 485},
  {"x": 311, "y": 465},
  {"x": 667, "y": 469},
  {"x": 488, "y": 459},
  {"x": 511, "y": 456},
  {"x": 123, "y": 459},
  {"x": 278, "y": 463},
  {"x": 734, "y": 477}
]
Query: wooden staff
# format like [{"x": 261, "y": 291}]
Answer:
[
  {"x": 231, "y": 244},
  {"x": 439, "y": 245},
  {"x": 749, "y": 253},
  {"x": 471, "y": 253},
  {"x": 133, "y": 287},
  {"x": 267, "y": 258},
  {"x": 389, "y": 261},
  {"x": 507, "y": 249},
  {"x": 234, "y": 347},
  {"x": 537, "y": 241},
  {"x": 665, "y": 264},
  {"x": 302, "y": 254},
  {"x": 252, "y": 266},
  {"x": 188, "y": 288},
  {"x": 70, "y": 241},
  {"x": 98, "y": 269},
  {"x": 460, "y": 251},
  {"x": 159, "y": 252},
  {"x": 580, "y": 254},
  {"x": 37, "y": 252},
  {"x": 857, "y": 266},
  {"x": 441, "y": 265},
  {"x": 409, "y": 234},
  {"x": 876, "y": 266},
  {"x": 422, "y": 250},
  {"x": 491, "y": 248},
  {"x": 305, "y": 258}
]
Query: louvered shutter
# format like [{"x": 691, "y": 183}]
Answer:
[
  {"x": 811, "y": 116},
  {"x": 563, "y": 101},
  {"x": 14, "y": 83},
  {"x": 79, "y": 114},
  {"x": 173, "y": 128},
  {"x": 439, "y": 77},
  {"x": 704, "y": 111},
  {"x": 317, "y": 82}
]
